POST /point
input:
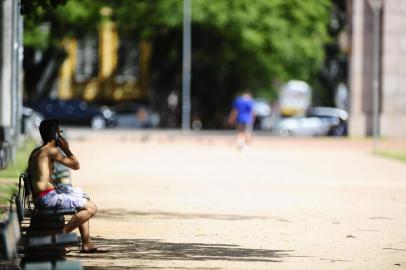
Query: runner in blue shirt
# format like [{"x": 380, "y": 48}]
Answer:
[{"x": 243, "y": 116}]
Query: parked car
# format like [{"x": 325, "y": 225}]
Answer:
[
  {"x": 333, "y": 115},
  {"x": 76, "y": 112},
  {"x": 30, "y": 120},
  {"x": 303, "y": 126},
  {"x": 135, "y": 115}
]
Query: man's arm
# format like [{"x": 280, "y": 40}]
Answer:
[
  {"x": 233, "y": 117},
  {"x": 70, "y": 160}
]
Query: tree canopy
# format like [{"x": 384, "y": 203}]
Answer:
[{"x": 277, "y": 40}]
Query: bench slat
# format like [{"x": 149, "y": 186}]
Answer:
[
  {"x": 66, "y": 239},
  {"x": 39, "y": 241},
  {"x": 68, "y": 265},
  {"x": 52, "y": 212},
  {"x": 62, "y": 239},
  {"x": 38, "y": 266}
]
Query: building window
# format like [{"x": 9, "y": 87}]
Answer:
[
  {"x": 87, "y": 60},
  {"x": 127, "y": 66}
]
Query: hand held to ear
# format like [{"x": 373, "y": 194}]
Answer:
[{"x": 63, "y": 144}]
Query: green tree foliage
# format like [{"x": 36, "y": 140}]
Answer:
[
  {"x": 34, "y": 7},
  {"x": 285, "y": 37},
  {"x": 236, "y": 44},
  {"x": 46, "y": 23}
]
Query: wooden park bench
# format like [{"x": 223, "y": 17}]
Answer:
[
  {"x": 44, "y": 233},
  {"x": 10, "y": 235},
  {"x": 44, "y": 219}
]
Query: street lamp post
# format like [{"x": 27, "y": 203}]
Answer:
[
  {"x": 186, "y": 65},
  {"x": 376, "y": 6}
]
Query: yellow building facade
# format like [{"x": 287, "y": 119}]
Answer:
[{"x": 105, "y": 66}]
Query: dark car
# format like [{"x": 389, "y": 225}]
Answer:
[
  {"x": 77, "y": 112},
  {"x": 135, "y": 115},
  {"x": 30, "y": 120},
  {"x": 334, "y": 115}
]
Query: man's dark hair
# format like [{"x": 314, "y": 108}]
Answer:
[{"x": 48, "y": 129}]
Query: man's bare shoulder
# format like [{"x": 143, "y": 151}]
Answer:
[
  {"x": 51, "y": 151},
  {"x": 44, "y": 150},
  {"x": 35, "y": 152}
]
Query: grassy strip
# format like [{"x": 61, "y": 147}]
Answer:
[
  {"x": 398, "y": 155},
  {"x": 6, "y": 190},
  {"x": 13, "y": 171}
]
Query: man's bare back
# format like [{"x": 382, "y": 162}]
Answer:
[
  {"x": 41, "y": 164},
  {"x": 40, "y": 168}
]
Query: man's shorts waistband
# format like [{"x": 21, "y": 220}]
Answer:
[{"x": 45, "y": 192}]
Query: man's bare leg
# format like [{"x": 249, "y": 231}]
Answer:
[
  {"x": 85, "y": 235},
  {"x": 248, "y": 137},
  {"x": 240, "y": 139},
  {"x": 87, "y": 245},
  {"x": 81, "y": 217},
  {"x": 81, "y": 221}
]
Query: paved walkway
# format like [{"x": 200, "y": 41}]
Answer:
[{"x": 173, "y": 201}]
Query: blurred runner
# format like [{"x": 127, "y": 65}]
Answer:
[{"x": 242, "y": 115}]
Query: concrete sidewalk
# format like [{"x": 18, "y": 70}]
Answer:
[{"x": 176, "y": 201}]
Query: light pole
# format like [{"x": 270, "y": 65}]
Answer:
[
  {"x": 376, "y": 6},
  {"x": 186, "y": 65}
]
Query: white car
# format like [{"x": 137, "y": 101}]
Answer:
[{"x": 303, "y": 126}]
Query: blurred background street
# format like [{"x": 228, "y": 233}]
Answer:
[
  {"x": 169, "y": 200},
  {"x": 158, "y": 100}
]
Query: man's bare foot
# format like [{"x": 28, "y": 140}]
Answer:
[{"x": 90, "y": 248}]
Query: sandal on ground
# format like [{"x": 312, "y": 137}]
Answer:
[{"x": 94, "y": 250}]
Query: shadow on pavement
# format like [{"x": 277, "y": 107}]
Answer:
[
  {"x": 120, "y": 214},
  {"x": 154, "y": 249},
  {"x": 138, "y": 251}
]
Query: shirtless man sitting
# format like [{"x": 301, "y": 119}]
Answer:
[{"x": 46, "y": 195}]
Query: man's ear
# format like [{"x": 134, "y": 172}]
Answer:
[{"x": 56, "y": 138}]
